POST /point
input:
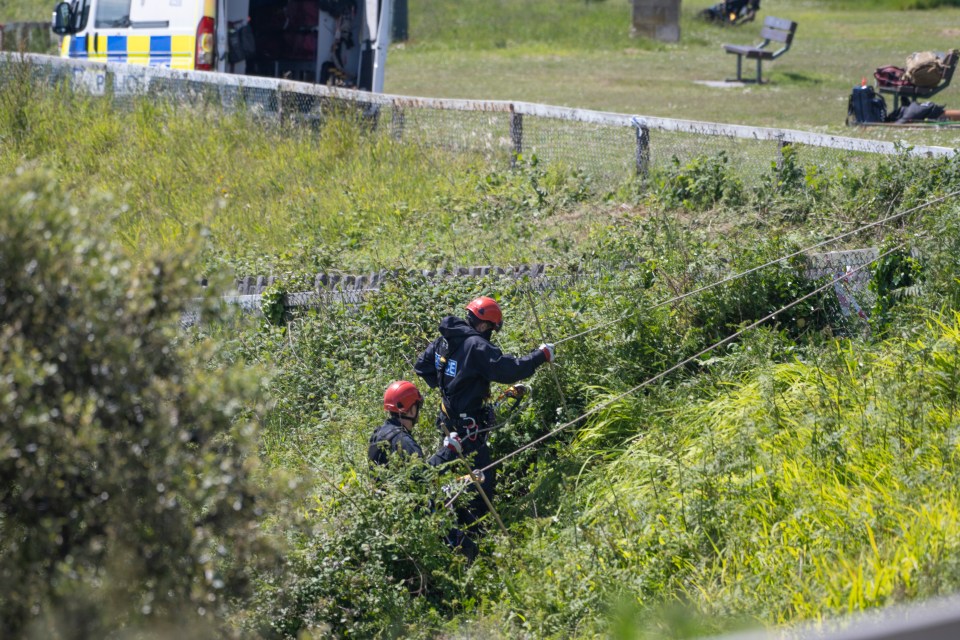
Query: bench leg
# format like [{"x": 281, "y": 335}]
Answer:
[
  {"x": 759, "y": 79},
  {"x": 739, "y": 67}
]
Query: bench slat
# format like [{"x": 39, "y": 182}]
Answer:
[
  {"x": 780, "y": 23},
  {"x": 776, "y": 35},
  {"x": 751, "y": 53},
  {"x": 774, "y": 29}
]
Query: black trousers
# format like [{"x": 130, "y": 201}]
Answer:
[{"x": 476, "y": 452}]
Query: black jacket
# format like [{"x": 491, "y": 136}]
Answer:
[
  {"x": 391, "y": 437},
  {"x": 471, "y": 364}
]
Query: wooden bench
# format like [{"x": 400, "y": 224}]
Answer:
[
  {"x": 774, "y": 30},
  {"x": 909, "y": 92}
]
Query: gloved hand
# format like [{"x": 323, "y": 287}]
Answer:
[
  {"x": 452, "y": 442},
  {"x": 476, "y": 473},
  {"x": 548, "y": 350},
  {"x": 516, "y": 391}
]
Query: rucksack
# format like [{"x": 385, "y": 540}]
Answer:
[
  {"x": 866, "y": 106},
  {"x": 924, "y": 69},
  {"x": 240, "y": 43}
]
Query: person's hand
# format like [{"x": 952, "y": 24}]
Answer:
[
  {"x": 548, "y": 350},
  {"x": 517, "y": 391},
  {"x": 452, "y": 442},
  {"x": 476, "y": 474}
]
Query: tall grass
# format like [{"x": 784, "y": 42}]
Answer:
[
  {"x": 814, "y": 487},
  {"x": 275, "y": 197}
]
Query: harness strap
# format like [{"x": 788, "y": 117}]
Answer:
[{"x": 466, "y": 425}]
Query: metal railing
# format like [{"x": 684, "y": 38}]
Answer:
[{"x": 934, "y": 619}]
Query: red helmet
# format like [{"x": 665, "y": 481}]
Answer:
[
  {"x": 400, "y": 396},
  {"x": 486, "y": 309}
]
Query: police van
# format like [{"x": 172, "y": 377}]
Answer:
[{"x": 335, "y": 42}]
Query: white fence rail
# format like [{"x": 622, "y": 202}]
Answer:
[{"x": 606, "y": 146}]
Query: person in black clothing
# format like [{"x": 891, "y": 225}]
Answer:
[
  {"x": 402, "y": 400},
  {"x": 462, "y": 363}
]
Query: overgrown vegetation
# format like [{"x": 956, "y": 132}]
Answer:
[
  {"x": 805, "y": 469},
  {"x": 129, "y": 494}
]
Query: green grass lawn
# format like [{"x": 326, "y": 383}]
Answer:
[{"x": 578, "y": 54}]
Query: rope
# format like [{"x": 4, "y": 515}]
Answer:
[
  {"x": 762, "y": 266},
  {"x": 543, "y": 336},
  {"x": 662, "y": 374}
]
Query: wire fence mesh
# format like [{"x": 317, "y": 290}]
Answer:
[
  {"x": 607, "y": 147},
  {"x": 339, "y": 288}
]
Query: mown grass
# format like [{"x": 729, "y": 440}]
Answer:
[{"x": 580, "y": 54}]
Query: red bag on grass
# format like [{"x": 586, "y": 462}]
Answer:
[{"x": 890, "y": 76}]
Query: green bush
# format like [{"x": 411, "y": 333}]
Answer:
[
  {"x": 127, "y": 492},
  {"x": 702, "y": 183},
  {"x": 371, "y": 562}
]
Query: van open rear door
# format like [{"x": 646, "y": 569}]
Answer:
[{"x": 376, "y": 39}]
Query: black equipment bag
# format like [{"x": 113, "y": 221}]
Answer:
[
  {"x": 866, "y": 106},
  {"x": 240, "y": 43}
]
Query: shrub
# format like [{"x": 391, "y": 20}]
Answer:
[
  {"x": 126, "y": 490},
  {"x": 704, "y": 182}
]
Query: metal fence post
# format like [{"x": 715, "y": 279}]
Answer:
[
  {"x": 781, "y": 145},
  {"x": 516, "y": 135},
  {"x": 643, "y": 150},
  {"x": 397, "y": 121}
]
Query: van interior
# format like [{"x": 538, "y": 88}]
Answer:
[{"x": 307, "y": 40}]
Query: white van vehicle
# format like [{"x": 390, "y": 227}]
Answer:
[{"x": 336, "y": 42}]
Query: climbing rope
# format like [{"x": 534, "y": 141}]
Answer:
[
  {"x": 762, "y": 266},
  {"x": 684, "y": 362}
]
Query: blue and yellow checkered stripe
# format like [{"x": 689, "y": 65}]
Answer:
[{"x": 175, "y": 52}]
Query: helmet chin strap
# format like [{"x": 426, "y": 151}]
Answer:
[
  {"x": 475, "y": 323},
  {"x": 413, "y": 419}
]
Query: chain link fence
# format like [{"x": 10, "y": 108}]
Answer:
[{"x": 607, "y": 147}]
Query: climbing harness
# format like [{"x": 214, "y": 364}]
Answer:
[{"x": 467, "y": 426}]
